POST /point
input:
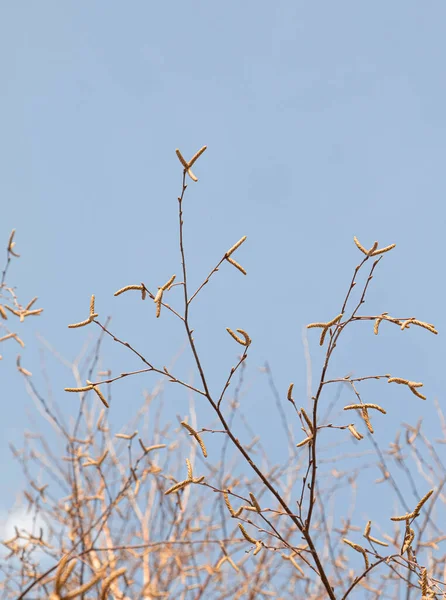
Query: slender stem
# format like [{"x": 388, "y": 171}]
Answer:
[
  {"x": 331, "y": 346},
  {"x": 223, "y": 421},
  {"x": 360, "y": 577},
  {"x": 214, "y": 270}
]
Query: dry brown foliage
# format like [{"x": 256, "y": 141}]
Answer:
[{"x": 152, "y": 512}]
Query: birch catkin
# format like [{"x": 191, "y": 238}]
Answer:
[
  {"x": 197, "y": 436},
  {"x": 235, "y": 246}
]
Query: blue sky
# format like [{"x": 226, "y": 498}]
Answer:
[{"x": 322, "y": 121}]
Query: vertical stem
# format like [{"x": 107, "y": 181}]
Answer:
[{"x": 216, "y": 408}]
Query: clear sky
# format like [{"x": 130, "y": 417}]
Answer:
[{"x": 323, "y": 120}]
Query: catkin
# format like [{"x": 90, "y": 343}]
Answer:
[
  {"x": 235, "y": 246},
  {"x": 99, "y": 394},
  {"x": 159, "y": 295},
  {"x": 246, "y": 535},
  {"x": 405, "y": 324},
  {"x": 19, "y": 340},
  {"x": 360, "y": 549},
  {"x": 187, "y": 165},
  {"x": 377, "y": 324},
  {"x": 254, "y": 502},
  {"x": 191, "y": 175},
  {"x": 305, "y": 441},
  {"x": 7, "y": 337},
  {"x": 423, "y": 581},
  {"x": 126, "y": 436},
  {"x": 383, "y": 250},
  {"x": 322, "y": 338},
  {"x": 427, "y": 326},
  {"x": 181, "y": 159},
  {"x": 10, "y": 241},
  {"x": 371, "y": 538},
  {"x": 372, "y": 249},
  {"x": 189, "y": 469},
  {"x": 398, "y": 380},
  {"x": 375, "y": 541},
  {"x": 85, "y": 388},
  {"x": 327, "y": 324},
  {"x": 197, "y": 155},
  {"x": 246, "y": 336},
  {"x": 177, "y": 487},
  {"x": 335, "y": 320},
  {"x": 367, "y": 529},
  {"x": 360, "y": 246},
  {"x": 355, "y": 433},
  {"x": 293, "y": 562},
  {"x": 36, "y": 311},
  {"x": 168, "y": 284},
  {"x": 365, "y": 416},
  {"x": 412, "y": 385},
  {"x": 367, "y": 405},
  {"x": 244, "y": 342},
  {"x": 325, "y": 327},
  {"x": 148, "y": 449},
  {"x": 311, "y": 325},
  {"x": 81, "y": 323},
  {"x": 259, "y": 546},
  {"x": 197, "y": 436},
  {"x": 408, "y": 539},
  {"x": 127, "y": 288},
  {"x": 228, "y": 503},
  {"x": 236, "y": 265},
  {"x": 423, "y": 500},
  {"x": 356, "y": 547},
  {"x": 416, "y": 392},
  {"x": 307, "y": 420},
  {"x": 406, "y": 517}
]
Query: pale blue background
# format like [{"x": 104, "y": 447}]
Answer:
[{"x": 323, "y": 120}]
